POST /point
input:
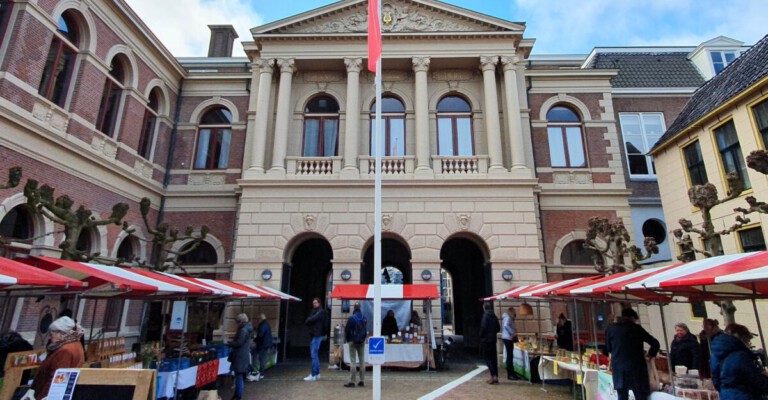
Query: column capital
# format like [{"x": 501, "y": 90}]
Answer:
[
  {"x": 509, "y": 62},
  {"x": 287, "y": 65},
  {"x": 421, "y": 64},
  {"x": 353, "y": 64},
  {"x": 263, "y": 64},
  {"x": 488, "y": 62}
]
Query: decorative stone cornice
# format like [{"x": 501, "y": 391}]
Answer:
[{"x": 421, "y": 64}]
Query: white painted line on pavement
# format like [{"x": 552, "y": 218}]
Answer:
[{"x": 447, "y": 388}]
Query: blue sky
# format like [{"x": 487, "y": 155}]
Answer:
[{"x": 559, "y": 26}]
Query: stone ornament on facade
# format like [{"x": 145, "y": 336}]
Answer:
[
  {"x": 286, "y": 65},
  {"x": 421, "y": 64},
  {"x": 353, "y": 64},
  {"x": 310, "y": 222},
  {"x": 395, "y": 18},
  {"x": 207, "y": 178},
  {"x": 572, "y": 177},
  {"x": 264, "y": 64},
  {"x": 509, "y": 62},
  {"x": 386, "y": 222},
  {"x": 488, "y": 62},
  {"x": 463, "y": 220},
  {"x": 323, "y": 76},
  {"x": 452, "y": 75}
]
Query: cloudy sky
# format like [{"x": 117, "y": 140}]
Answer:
[{"x": 559, "y": 26}]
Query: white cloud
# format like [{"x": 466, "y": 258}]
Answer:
[{"x": 182, "y": 25}]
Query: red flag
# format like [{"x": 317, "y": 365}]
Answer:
[{"x": 374, "y": 35}]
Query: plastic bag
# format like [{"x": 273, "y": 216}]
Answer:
[{"x": 653, "y": 374}]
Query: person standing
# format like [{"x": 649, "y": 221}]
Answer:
[
  {"x": 509, "y": 338},
  {"x": 262, "y": 343},
  {"x": 355, "y": 333},
  {"x": 389, "y": 326},
  {"x": 564, "y": 333},
  {"x": 684, "y": 349},
  {"x": 64, "y": 351},
  {"x": 489, "y": 328},
  {"x": 316, "y": 326},
  {"x": 241, "y": 354},
  {"x": 624, "y": 341},
  {"x": 710, "y": 328},
  {"x": 735, "y": 372}
]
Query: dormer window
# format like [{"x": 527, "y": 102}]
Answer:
[{"x": 721, "y": 59}]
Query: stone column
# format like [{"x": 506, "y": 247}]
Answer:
[
  {"x": 261, "y": 118},
  {"x": 352, "y": 129},
  {"x": 420, "y": 68},
  {"x": 491, "y": 113},
  {"x": 514, "y": 124},
  {"x": 283, "y": 115}
]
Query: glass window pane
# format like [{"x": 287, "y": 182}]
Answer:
[
  {"x": 464, "y": 127},
  {"x": 634, "y": 145},
  {"x": 556, "y": 146},
  {"x": 203, "y": 143},
  {"x": 752, "y": 239},
  {"x": 372, "y": 138},
  {"x": 330, "y": 135},
  {"x": 217, "y": 116},
  {"x": 575, "y": 147},
  {"x": 397, "y": 137},
  {"x": 445, "y": 136},
  {"x": 311, "y": 137},
  {"x": 453, "y": 104},
  {"x": 729, "y": 57},
  {"x": 653, "y": 125},
  {"x": 630, "y": 124},
  {"x": 562, "y": 114},
  {"x": 322, "y": 105},
  {"x": 226, "y": 137},
  {"x": 638, "y": 165},
  {"x": 717, "y": 57}
]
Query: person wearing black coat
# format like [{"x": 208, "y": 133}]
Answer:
[
  {"x": 710, "y": 328},
  {"x": 624, "y": 341},
  {"x": 564, "y": 333},
  {"x": 389, "y": 325},
  {"x": 316, "y": 325},
  {"x": 735, "y": 373},
  {"x": 684, "y": 349},
  {"x": 241, "y": 354},
  {"x": 489, "y": 329}
]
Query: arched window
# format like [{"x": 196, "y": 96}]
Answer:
[
  {"x": 60, "y": 62},
  {"x": 84, "y": 242},
  {"x": 111, "y": 97},
  {"x": 204, "y": 254},
  {"x": 392, "y": 125},
  {"x": 214, "y": 139},
  {"x": 128, "y": 249},
  {"x": 321, "y": 127},
  {"x": 574, "y": 253},
  {"x": 17, "y": 224},
  {"x": 454, "y": 127},
  {"x": 566, "y": 142},
  {"x": 148, "y": 127}
]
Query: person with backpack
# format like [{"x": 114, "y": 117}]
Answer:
[
  {"x": 355, "y": 334},
  {"x": 262, "y": 343},
  {"x": 489, "y": 328}
]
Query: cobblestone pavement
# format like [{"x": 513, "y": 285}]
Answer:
[{"x": 285, "y": 381}]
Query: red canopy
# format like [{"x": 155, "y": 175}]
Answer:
[
  {"x": 388, "y": 292},
  {"x": 243, "y": 290},
  {"x": 538, "y": 290},
  {"x": 614, "y": 286},
  {"x": 16, "y": 276}
]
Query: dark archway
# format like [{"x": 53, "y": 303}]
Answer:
[
  {"x": 470, "y": 279},
  {"x": 306, "y": 277},
  {"x": 393, "y": 254}
]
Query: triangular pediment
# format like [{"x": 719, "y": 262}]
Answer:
[{"x": 398, "y": 16}]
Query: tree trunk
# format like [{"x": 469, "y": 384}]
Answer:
[{"x": 728, "y": 311}]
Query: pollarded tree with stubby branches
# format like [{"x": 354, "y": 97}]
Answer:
[
  {"x": 41, "y": 201},
  {"x": 614, "y": 245},
  {"x": 163, "y": 238}
]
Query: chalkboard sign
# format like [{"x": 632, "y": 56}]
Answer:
[
  {"x": 115, "y": 384},
  {"x": 112, "y": 392}
]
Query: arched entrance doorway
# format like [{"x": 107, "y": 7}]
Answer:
[
  {"x": 395, "y": 263},
  {"x": 307, "y": 275},
  {"x": 467, "y": 272}
]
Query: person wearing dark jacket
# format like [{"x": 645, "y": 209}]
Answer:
[
  {"x": 241, "y": 354},
  {"x": 316, "y": 326},
  {"x": 684, "y": 349},
  {"x": 11, "y": 342},
  {"x": 489, "y": 328},
  {"x": 356, "y": 345},
  {"x": 735, "y": 374},
  {"x": 564, "y": 333},
  {"x": 262, "y": 343},
  {"x": 624, "y": 341},
  {"x": 710, "y": 328},
  {"x": 389, "y": 325}
]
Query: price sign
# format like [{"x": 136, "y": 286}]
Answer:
[{"x": 376, "y": 350}]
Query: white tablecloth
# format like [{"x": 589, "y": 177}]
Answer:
[{"x": 395, "y": 353}]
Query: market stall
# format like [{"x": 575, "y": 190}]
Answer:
[{"x": 415, "y": 349}]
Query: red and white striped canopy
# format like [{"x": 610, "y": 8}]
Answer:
[
  {"x": 614, "y": 286},
  {"x": 538, "y": 290},
  {"x": 728, "y": 276},
  {"x": 388, "y": 292},
  {"x": 245, "y": 290},
  {"x": 19, "y": 276}
]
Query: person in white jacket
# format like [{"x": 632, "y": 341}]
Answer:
[{"x": 509, "y": 337}]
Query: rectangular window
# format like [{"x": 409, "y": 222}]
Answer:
[
  {"x": 695, "y": 164},
  {"x": 761, "y": 119},
  {"x": 566, "y": 147},
  {"x": 394, "y": 136},
  {"x": 110, "y": 100},
  {"x": 752, "y": 239},
  {"x": 213, "y": 148},
  {"x": 698, "y": 309},
  {"x": 721, "y": 59},
  {"x": 730, "y": 152},
  {"x": 113, "y": 314},
  {"x": 320, "y": 137},
  {"x": 454, "y": 136},
  {"x": 685, "y": 251},
  {"x": 147, "y": 134},
  {"x": 57, "y": 71},
  {"x": 641, "y": 131}
]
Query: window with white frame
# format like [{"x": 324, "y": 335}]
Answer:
[
  {"x": 641, "y": 131},
  {"x": 721, "y": 59}
]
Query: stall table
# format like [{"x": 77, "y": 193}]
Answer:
[
  {"x": 525, "y": 363},
  {"x": 552, "y": 369},
  {"x": 404, "y": 355},
  {"x": 188, "y": 377}
]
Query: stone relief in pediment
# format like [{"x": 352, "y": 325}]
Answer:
[{"x": 396, "y": 16}]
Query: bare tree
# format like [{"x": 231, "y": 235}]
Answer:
[
  {"x": 162, "y": 239},
  {"x": 611, "y": 239},
  {"x": 41, "y": 201}
]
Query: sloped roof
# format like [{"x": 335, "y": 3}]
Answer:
[
  {"x": 740, "y": 75},
  {"x": 649, "y": 70}
]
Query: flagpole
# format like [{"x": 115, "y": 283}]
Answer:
[{"x": 377, "y": 218}]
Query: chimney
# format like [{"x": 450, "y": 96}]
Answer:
[{"x": 222, "y": 39}]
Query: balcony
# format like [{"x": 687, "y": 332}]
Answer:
[
  {"x": 460, "y": 165},
  {"x": 313, "y": 166},
  {"x": 399, "y": 165}
]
